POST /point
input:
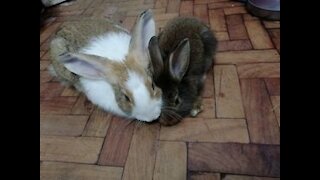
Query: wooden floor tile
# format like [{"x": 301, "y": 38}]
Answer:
[
  {"x": 117, "y": 142},
  {"x": 70, "y": 149},
  {"x": 161, "y": 4},
  {"x": 259, "y": 70},
  {"x": 208, "y": 110},
  {"x": 45, "y": 76},
  {"x": 72, "y": 171},
  {"x": 205, "y": 176},
  {"x": 186, "y": 8},
  {"x": 62, "y": 125},
  {"x": 171, "y": 161},
  {"x": 262, "y": 123},
  {"x": 243, "y": 177},
  {"x": 217, "y": 5},
  {"x": 271, "y": 24},
  {"x": 227, "y": 92},
  {"x": 44, "y": 65},
  {"x": 142, "y": 154},
  {"x": 57, "y": 105},
  {"x": 222, "y": 36},
  {"x": 48, "y": 32},
  {"x": 217, "y": 20},
  {"x": 70, "y": 91},
  {"x": 98, "y": 123},
  {"x": 173, "y": 6},
  {"x": 258, "y": 35},
  {"x": 83, "y": 106},
  {"x": 207, "y": 130},
  {"x": 276, "y": 106},
  {"x": 251, "y": 56},
  {"x": 236, "y": 27},
  {"x": 273, "y": 86},
  {"x": 275, "y": 36},
  {"x": 50, "y": 90},
  {"x": 235, "y": 45},
  {"x": 235, "y": 10},
  {"x": 250, "y": 159},
  {"x": 201, "y": 11}
]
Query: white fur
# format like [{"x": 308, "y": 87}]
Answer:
[
  {"x": 112, "y": 45},
  {"x": 150, "y": 30},
  {"x": 115, "y": 46},
  {"x": 145, "y": 108},
  {"x": 101, "y": 93}
]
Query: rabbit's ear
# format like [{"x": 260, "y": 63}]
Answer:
[
  {"x": 156, "y": 57},
  {"x": 88, "y": 66},
  {"x": 142, "y": 31},
  {"x": 179, "y": 60}
]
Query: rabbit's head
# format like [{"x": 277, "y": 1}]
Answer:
[
  {"x": 134, "y": 94},
  {"x": 169, "y": 71}
]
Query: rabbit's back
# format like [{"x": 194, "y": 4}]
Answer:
[
  {"x": 78, "y": 34},
  {"x": 72, "y": 37}
]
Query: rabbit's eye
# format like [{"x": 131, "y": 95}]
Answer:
[
  {"x": 177, "y": 100},
  {"x": 152, "y": 85},
  {"x": 127, "y": 98}
]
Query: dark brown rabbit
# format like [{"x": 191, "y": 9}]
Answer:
[{"x": 181, "y": 56}]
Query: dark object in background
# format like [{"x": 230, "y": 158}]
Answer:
[
  {"x": 42, "y": 8},
  {"x": 267, "y": 9}
]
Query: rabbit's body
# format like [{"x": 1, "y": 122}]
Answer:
[
  {"x": 187, "y": 48},
  {"x": 106, "y": 39},
  {"x": 109, "y": 65}
]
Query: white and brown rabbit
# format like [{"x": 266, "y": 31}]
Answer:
[
  {"x": 110, "y": 65},
  {"x": 181, "y": 56}
]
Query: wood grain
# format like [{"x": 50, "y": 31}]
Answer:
[
  {"x": 171, "y": 161},
  {"x": 98, "y": 124},
  {"x": 273, "y": 86},
  {"x": 217, "y": 5},
  {"x": 217, "y": 20},
  {"x": 207, "y": 130},
  {"x": 142, "y": 155},
  {"x": 250, "y": 56},
  {"x": 72, "y": 171},
  {"x": 235, "y": 45},
  {"x": 62, "y": 125},
  {"x": 275, "y": 100},
  {"x": 117, "y": 143},
  {"x": 173, "y": 6},
  {"x": 262, "y": 123},
  {"x": 201, "y": 11},
  {"x": 205, "y": 176},
  {"x": 258, "y": 35},
  {"x": 186, "y": 8},
  {"x": 70, "y": 149},
  {"x": 259, "y": 70},
  {"x": 250, "y": 159},
  {"x": 275, "y": 36},
  {"x": 57, "y": 105},
  {"x": 227, "y": 92},
  {"x": 82, "y": 106},
  {"x": 235, "y": 10},
  {"x": 243, "y": 177},
  {"x": 236, "y": 27}
]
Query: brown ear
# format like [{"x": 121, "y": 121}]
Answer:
[
  {"x": 88, "y": 66},
  {"x": 156, "y": 57},
  {"x": 179, "y": 60}
]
